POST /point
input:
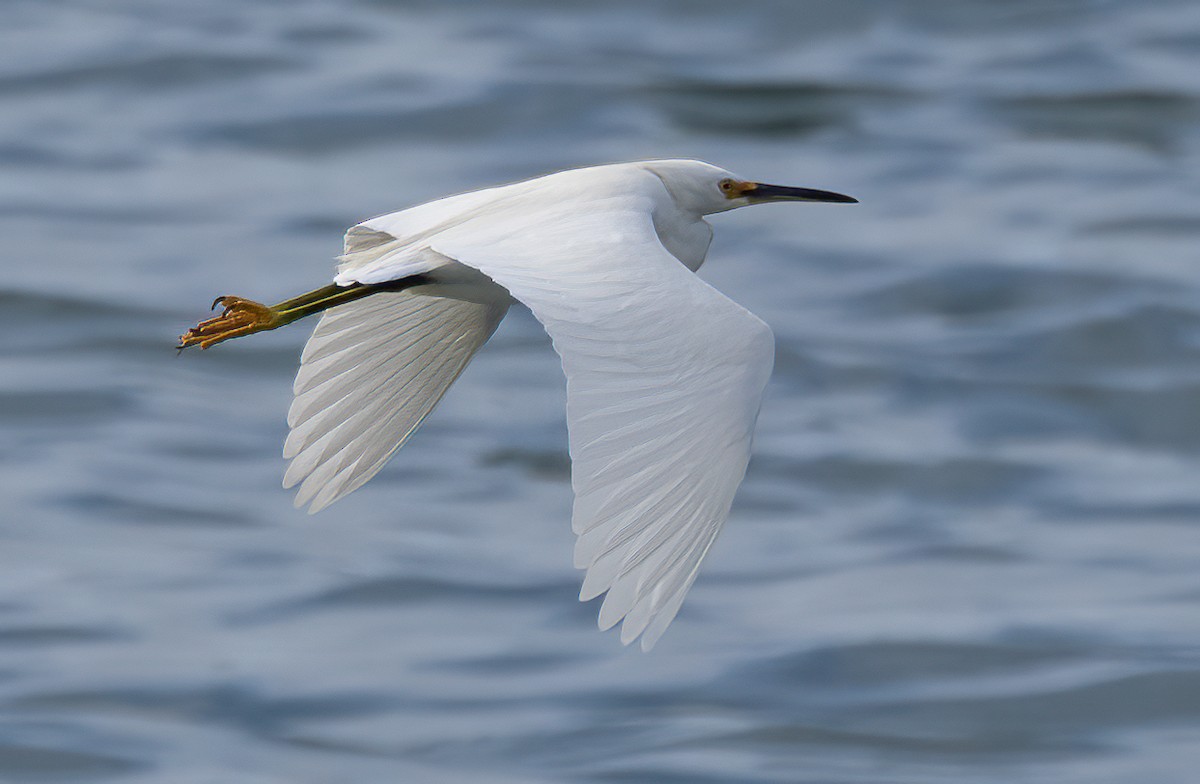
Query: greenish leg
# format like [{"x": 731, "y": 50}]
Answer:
[{"x": 245, "y": 317}]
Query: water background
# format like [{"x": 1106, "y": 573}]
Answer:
[{"x": 967, "y": 548}]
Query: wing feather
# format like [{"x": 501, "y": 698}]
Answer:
[
  {"x": 664, "y": 381},
  {"x": 371, "y": 372}
]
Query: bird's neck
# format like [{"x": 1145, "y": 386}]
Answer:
[{"x": 685, "y": 236}]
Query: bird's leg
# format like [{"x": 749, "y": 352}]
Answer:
[
  {"x": 238, "y": 317},
  {"x": 245, "y": 317}
]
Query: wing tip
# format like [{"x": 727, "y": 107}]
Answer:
[{"x": 647, "y": 628}]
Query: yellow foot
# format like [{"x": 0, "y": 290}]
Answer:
[{"x": 239, "y": 317}]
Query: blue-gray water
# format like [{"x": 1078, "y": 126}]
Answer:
[{"x": 967, "y": 547}]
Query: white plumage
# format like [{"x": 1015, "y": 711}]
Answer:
[{"x": 664, "y": 373}]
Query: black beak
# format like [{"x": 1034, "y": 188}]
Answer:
[{"x": 763, "y": 192}]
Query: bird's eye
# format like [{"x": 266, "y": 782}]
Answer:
[{"x": 726, "y": 185}]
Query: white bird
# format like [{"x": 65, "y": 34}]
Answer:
[{"x": 664, "y": 373}]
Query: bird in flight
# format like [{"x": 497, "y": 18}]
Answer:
[{"x": 665, "y": 374}]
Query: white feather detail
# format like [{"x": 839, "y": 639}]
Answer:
[
  {"x": 664, "y": 380},
  {"x": 371, "y": 372}
]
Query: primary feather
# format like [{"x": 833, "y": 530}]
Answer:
[{"x": 370, "y": 373}]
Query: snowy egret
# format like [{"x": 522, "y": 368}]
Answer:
[{"x": 664, "y": 373}]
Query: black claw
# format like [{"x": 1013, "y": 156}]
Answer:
[{"x": 216, "y": 302}]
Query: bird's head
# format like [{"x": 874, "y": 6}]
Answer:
[{"x": 704, "y": 189}]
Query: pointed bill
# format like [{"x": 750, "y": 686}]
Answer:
[{"x": 760, "y": 192}]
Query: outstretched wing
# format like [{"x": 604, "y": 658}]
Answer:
[
  {"x": 371, "y": 372},
  {"x": 664, "y": 381}
]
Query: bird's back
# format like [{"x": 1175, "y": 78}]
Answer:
[{"x": 398, "y": 244}]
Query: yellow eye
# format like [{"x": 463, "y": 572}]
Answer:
[{"x": 726, "y": 185}]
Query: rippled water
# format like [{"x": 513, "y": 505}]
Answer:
[{"x": 967, "y": 547}]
